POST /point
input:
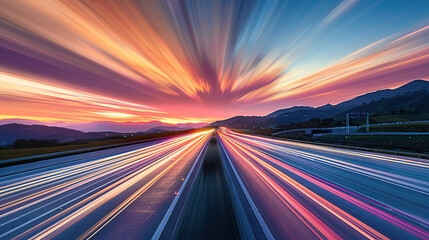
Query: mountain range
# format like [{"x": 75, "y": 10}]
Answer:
[
  {"x": 104, "y": 126},
  {"x": 413, "y": 96},
  {"x": 13, "y": 131}
]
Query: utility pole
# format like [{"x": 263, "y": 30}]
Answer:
[
  {"x": 367, "y": 122},
  {"x": 347, "y": 123}
]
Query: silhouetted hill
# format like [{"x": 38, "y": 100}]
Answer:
[
  {"x": 247, "y": 122},
  {"x": 286, "y": 111},
  {"x": 280, "y": 117},
  {"x": 304, "y": 113},
  {"x": 161, "y": 129},
  {"x": 100, "y": 126},
  {"x": 124, "y": 127},
  {"x": 301, "y": 116},
  {"x": 411, "y": 102},
  {"x": 412, "y": 86},
  {"x": 106, "y": 126},
  {"x": 11, "y": 132}
]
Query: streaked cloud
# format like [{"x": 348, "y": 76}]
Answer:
[
  {"x": 338, "y": 11},
  {"x": 179, "y": 61}
]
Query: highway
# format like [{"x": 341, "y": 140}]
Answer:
[
  {"x": 236, "y": 187},
  {"x": 96, "y": 195},
  {"x": 304, "y": 191}
]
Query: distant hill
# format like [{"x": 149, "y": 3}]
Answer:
[
  {"x": 10, "y": 132},
  {"x": 245, "y": 122},
  {"x": 101, "y": 126},
  {"x": 285, "y": 111},
  {"x": 304, "y": 113},
  {"x": 280, "y": 117},
  {"x": 412, "y": 86},
  {"x": 163, "y": 129},
  {"x": 20, "y": 121},
  {"x": 125, "y": 127},
  {"x": 105, "y": 126},
  {"x": 13, "y": 131},
  {"x": 410, "y": 102}
]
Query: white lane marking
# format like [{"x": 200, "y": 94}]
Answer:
[
  {"x": 68, "y": 202},
  {"x": 167, "y": 216},
  {"x": 261, "y": 221},
  {"x": 76, "y": 216}
]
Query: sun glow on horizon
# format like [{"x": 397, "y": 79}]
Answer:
[{"x": 133, "y": 61}]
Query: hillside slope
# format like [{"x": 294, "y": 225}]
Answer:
[
  {"x": 11, "y": 132},
  {"x": 404, "y": 97}
]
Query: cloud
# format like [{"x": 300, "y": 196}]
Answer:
[
  {"x": 338, "y": 11},
  {"x": 176, "y": 60}
]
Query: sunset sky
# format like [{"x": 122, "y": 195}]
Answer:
[{"x": 192, "y": 61}]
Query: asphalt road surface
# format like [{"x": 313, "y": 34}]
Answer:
[
  {"x": 175, "y": 188},
  {"x": 208, "y": 213},
  {"x": 304, "y": 191},
  {"x": 112, "y": 196}
]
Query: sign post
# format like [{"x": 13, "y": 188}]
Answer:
[{"x": 358, "y": 115}]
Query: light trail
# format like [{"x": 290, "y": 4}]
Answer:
[
  {"x": 388, "y": 158},
  {"x": 408, "y": 182},
  {"x": 49, "y": 201},
  {"x": 305, "y": 178}
]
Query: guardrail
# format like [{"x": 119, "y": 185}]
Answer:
[{"x": 383, "y": 134}]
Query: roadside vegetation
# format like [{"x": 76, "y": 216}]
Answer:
[
  {"x": 398, "y": 117},
  {"x": 405, "y": 127},
  {"x": 312, "y": 123}
]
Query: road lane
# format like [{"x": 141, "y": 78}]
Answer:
[
  {"x": 208, "y": 212},
  {"x": 308, "y": 191},
  {"x": 83, "y": 196},
  {"x": 144, "y": 215}
]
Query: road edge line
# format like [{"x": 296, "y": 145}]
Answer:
[
  {"x": 239, "y": 209},
  {"x": 170, "y": 210},
  {"x": 258, "y": 216}
]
